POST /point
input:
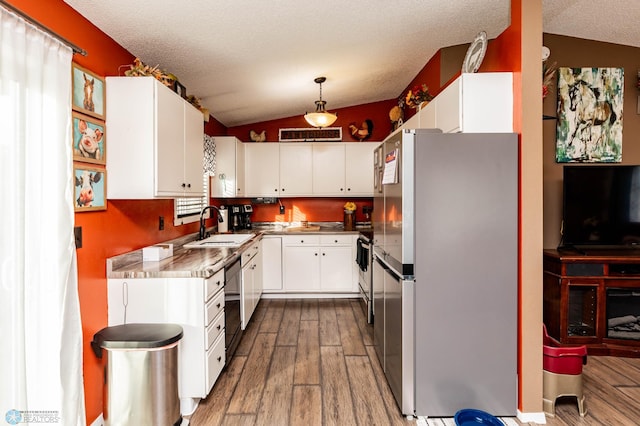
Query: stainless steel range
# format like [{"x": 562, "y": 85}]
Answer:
[{"x": 364, "y": 259}]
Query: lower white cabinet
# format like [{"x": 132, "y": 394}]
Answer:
[
  {"x": 251, "y": 288},
  {"x": 197, "y": 305},
  {"x": 319, "y": 263},
  {"x": 271, "y": 250}
]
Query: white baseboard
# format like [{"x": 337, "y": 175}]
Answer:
[
  {"x": 98, "y": 422},
  {"x": 267, "y": 295},
  {"x": 538, "y": 418}
]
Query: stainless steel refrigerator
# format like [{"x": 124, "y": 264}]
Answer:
[{"x": 445, "y": 271}]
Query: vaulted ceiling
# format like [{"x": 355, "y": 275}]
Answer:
[{"x": 251, "y": 61}]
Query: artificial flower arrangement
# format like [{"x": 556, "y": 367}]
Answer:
[
  {"x": 417, "y": 95},
  {"x": 350, "y": 207},
  {"x": 138, "y": 69},
  {"x": 548, "y": 74}
]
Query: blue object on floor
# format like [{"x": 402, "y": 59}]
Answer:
[{"x": 471, "y": 417}]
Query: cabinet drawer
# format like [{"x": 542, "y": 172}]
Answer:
[
  {"x": 215, "y": 362},
  {"x": 214, "y": 329},
  {"x": 249, "y": 253},
  {"x": 214, "y": 307},
  {"x": 301, "y": 240},
  {"x": 214, "y": 284},
  {"x": 336, "y": 240}
]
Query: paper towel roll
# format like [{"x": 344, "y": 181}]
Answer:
[{"x": 224, "y": 225}]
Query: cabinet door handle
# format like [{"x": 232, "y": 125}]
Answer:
[
  {"x": 341, "y": 189},
  {"x": 302, "y": 241},
  {"x": 218, "y": 306},
  {"x": 218, "y": 283},
  {"x": 316, "y": 254},
  {"x": 282, "y": 189},
  {"x": 324, "y": 254},
  {"x": 335, "y": 241},
  {"x": 219, "y": 327},
  {"x": 183, "y": 185},
  {"x": 219, "y": 358},
  {"x": 348, "y": 189},
  {"x": 188, "y": 185}
]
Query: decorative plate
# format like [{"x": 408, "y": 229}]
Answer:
[{"x": 475, "y": 53}]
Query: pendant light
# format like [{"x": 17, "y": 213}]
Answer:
[{"x": 320, "y": 118}]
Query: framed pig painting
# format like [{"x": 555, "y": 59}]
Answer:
[
  {"x": 90, "y": 188},
  {"x": 89, "y": 139},
  {"x": 88, "y": 92}
]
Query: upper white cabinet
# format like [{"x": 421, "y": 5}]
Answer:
[
  {"x": 359, "y": 168},
  {"x": 155, "y": 141},
  {"x": 473, "y": 103},
  {"x": 262, "y": 165},
  {"x": 229, "y": 178},
  {"x": 328, "y": 169},
  {"x": 343, "y": 169},
  {"x": 296, "y": 165}
]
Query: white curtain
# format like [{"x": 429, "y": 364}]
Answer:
[{"x": 40, "y": 329}]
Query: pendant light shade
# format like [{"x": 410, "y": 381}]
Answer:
[{"x": 320, "y": 118}]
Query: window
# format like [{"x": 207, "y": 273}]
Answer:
[{"x": 187, "y": 210}]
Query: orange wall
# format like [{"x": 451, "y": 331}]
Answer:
[
  {"x": 297, "y": 209},
  {"x": 378, "y": 112}
]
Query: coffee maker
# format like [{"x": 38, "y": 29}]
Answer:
[{"x": 240, "y": 216}]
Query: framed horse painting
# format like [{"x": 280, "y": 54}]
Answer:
[
  {"x": 88, "y": 92},
  {"x": 589, "y": 127}
]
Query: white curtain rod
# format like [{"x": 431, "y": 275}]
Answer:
[{"x": 37, "y": 24}]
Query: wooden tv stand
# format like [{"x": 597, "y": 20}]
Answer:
[{"x": 575, "y": 292}]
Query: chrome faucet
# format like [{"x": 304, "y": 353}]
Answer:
[{"x": 202, "y": 234}]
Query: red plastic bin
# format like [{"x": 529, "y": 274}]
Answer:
[{"x": 562, "y": 359}]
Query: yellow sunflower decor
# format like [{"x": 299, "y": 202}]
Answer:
[{"x": 349, "y": 216}]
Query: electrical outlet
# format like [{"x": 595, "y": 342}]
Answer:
[
  {"x": 161, "y": 223},
  {"x": 77, "y": 232}
]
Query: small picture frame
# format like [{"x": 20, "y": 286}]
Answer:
[
  {"x": 89, "y": 139},
  {"x": 90, "y": 184},
  {"x": 88, "y": 92},
  {"x": 180, "y": 90}
]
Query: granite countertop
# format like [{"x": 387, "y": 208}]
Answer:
[{"x": 204, "y": 262}]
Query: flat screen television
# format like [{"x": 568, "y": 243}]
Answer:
[{"x": 601, "y": 207}]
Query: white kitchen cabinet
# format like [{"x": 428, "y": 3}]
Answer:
[
  {"x": 427, "y": 115},
  {"x": 296, "y": 165},
  {"x": 343, "y": 169},
  {"x": 476, "y": 103},
  {"x": 271, "y": 250},
  {"x": 359, "y": 168},
  {"x": 229, "y": 178},
  {"x": 319, "y": 263},
  {"x": 155, "y": 141},
  {"x": 197, "y": 305},
  {"x": 262, "y": 165},
  {"x": 329, "y": 169},
  {"x": 251, "y": 287}
]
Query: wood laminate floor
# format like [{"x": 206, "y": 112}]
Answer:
[{"x": 312, "y": 362}]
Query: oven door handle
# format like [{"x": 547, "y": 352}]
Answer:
[{"x": 364, "y": 244}]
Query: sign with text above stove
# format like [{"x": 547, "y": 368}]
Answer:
[{"x": 325, "y": 134}]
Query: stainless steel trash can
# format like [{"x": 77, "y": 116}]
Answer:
[{"x": 141, "y": 374}]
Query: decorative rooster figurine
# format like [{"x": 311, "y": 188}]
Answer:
[
  {"x": 364, "y": 132},
  {"x": 258, "y": 137}
]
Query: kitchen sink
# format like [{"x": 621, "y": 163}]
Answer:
[{"x": 221, "y": 240}]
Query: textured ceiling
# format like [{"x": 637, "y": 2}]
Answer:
[{"x": 251, "y": 60}]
